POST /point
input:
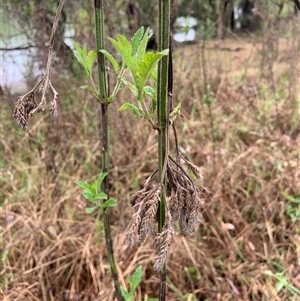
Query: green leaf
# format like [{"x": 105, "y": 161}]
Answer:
[
  {"x": 81, "y": 56},
  {"x": 279, "y": 286},
  {"x": 132, "y": 107},
  {"x": 135, "y": 280},
  {"x": 83, "y": 184},
  {"x": 154, "y": 75},
  {"x": 291, "y": 198},
  {"x": 123, "y": 46},
  {"x": 111, "y": 59},
  {"x": 131, "y": 86},
  {"x": 145, "y": 67},
  {"x": 126, "y": 295},
  {"x": 90, "y": 210},
  {"x": 84, "y": 58},
  {"x": 136, "y": 40},
  {"x": 176, "y": 111},
  {"x": 153, "y": 106},
  {"x": 80, "y": 53},
  {"x": 97, "y": 183},
  {"x": 90, "y": 59},
  {"x": 109, "y": 203},
  {"x": 87, "y": 87},
  {"x": 111, "y": 98},
  {"x": 149, "y": 91},
  {"x": 88, "y": 194},
  {"x": 101, "y": 196},
  {"x": 142, "y": 46}
]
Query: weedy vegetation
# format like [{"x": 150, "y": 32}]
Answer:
[{"x": 127, "y": 138}]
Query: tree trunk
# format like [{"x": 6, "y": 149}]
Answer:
[{"x": 221, "y": 21}]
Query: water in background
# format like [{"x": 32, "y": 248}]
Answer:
[{"x": 19, "y": 69}]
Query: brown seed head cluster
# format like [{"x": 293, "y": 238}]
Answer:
[
  {"x": 163, "y": 241},
  {"x": 185, "y": 196},
  {"x": 145, "y": 204},
  {"x": 27, "y": 106},
  {"x": 184, "y": 199}
]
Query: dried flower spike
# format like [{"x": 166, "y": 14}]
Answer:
[{"x": 25, "y": 104}]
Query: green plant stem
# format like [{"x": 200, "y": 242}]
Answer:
[
  {"x": 146, "y": 112},
  {"x": 162, "y": 115},
  {"x": 119, "y": 83},
  {"x": 99, "y": 23}
]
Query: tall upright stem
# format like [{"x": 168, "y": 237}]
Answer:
[
  {"x": 162, "y": 114},
  {"x": 99, "y": 23}
]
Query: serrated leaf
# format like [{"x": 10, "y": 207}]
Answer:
[
  {"x": 132, "y": 107},
  {"x": 90, "y": 210},
  {"x": 123, "y": 46},
  {"x": 136, "y": 40},
  {"x": 82, "y": 57},
  {"x": 143, "y": 46},
  {"x": 135, "y": 280},
  {"x": 111, "y": 59},
  {"x": 109, "y": 203},
  {"x": 79, "y": 53},
  {"x": 145, "y": 67}
]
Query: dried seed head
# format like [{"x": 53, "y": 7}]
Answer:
[
  {"x": 143, "y": 219},
  {"x": 53, "y": 108},
  {"x": 149, "y": 219},
  {"x": 25, "y": 104},
  {"x": 192, "y": 167},
  {"x": 175, "y": 204},
  {"x": 191, "y": 213},
  {"x": 163, "y": 241},
  {"x": 184, "y": 202},
  {"x": 41, "y": 86},
  {"x": 53, "y": 103},
  {"x": 132, "y": 228}
]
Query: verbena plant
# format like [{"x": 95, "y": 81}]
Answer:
[{"x": 171, "y": 192}]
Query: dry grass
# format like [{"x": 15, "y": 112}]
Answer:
[{"x": 53, "y": 250}]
